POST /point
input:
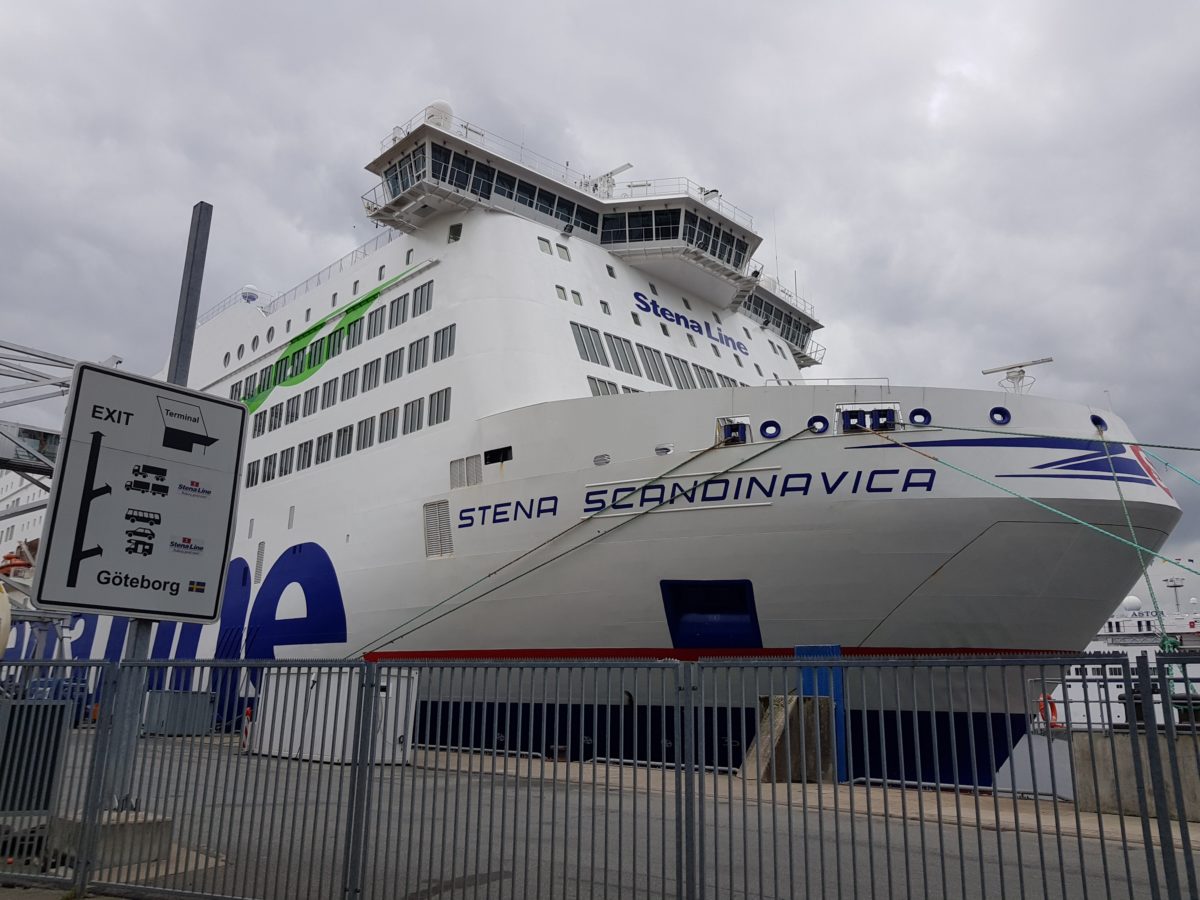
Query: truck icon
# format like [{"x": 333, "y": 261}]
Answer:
[
  {"x": 159, "y": 490},
  {"x": 142, "y": 548},
  {"x": 143, "y": 515},
  {"x": 142, "y": 487},
  {"x": 146, "y": 471}
]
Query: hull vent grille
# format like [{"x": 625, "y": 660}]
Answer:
[{"x": 437, "y": 529}]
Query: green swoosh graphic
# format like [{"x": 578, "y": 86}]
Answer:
[{"x": 358, "y": 308}]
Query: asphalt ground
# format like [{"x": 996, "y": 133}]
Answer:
[{"x": 474, "y": 825}]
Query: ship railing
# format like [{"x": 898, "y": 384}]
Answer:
[
  {"x": 602, "y": 187},
  {"x": 779, "y": 289},
  {"x": 680, "y": 187},
  {"x": 355, "y": 256},
  {"x": 487, "y": 140}
]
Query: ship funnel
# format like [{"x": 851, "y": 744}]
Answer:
[{"x": 439, "y": 113}]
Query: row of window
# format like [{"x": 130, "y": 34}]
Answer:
[
  {"x": 663, "y": 225},
  {"x": 344, "y": 337},
  {"x": 350, "y": 438},
  {"x": 482, "y": 180},
  {"x": 790, "y": 327},
  {"x": 383, "y": 369},
  {"x": 664, "y": 368}
]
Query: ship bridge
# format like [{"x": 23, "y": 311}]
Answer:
[{"x": 672, "y": 228}]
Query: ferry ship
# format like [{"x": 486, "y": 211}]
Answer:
[{"x": 544, "y": 412}]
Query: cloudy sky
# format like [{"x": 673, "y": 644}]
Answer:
[{"x": 953, "y": 185}]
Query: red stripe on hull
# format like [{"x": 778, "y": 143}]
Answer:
[{"x": 693, "y": 654}]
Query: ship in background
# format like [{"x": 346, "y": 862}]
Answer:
[{"x": 547, "y": 412}]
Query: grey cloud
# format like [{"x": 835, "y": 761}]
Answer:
[{"x": 954, "y": 186}]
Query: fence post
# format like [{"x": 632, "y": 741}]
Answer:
[
  {"x": 1165, "y": 686},
  {"x": 362, "y": 763},
  {"x": 685, "y": 715},
  {"x": 89, "y": 822},
  {"x": 1166, "y": 840}
]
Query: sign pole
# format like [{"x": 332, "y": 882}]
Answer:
[{"x": 127, "y": 718}]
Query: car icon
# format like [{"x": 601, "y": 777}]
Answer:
[
  {"x": 144, "y": 533},
  {"x": 142, "y": 548}
]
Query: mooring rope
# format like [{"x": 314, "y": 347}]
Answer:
[{"x": 387, "y": 637}]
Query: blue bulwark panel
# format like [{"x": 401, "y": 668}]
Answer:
[{"x": 711, "y": 614}]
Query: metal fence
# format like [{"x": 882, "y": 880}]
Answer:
[{"x": 830, "y": 777}]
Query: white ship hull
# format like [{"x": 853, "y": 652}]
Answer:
[{"x": 851, "y": 540}]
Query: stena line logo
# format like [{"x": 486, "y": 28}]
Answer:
[
  {"x": 186, "y": 545},
  {"x": 716, "y": 335},
  {"x": 194, "y": 489}
]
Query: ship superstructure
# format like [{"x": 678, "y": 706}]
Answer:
[{"x": 546, "y": 410}]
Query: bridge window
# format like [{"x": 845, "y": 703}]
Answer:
[
  {"x": 546, "y": 201},
  {"x": 587, "y": 219},
  {"x": 506, "y": 185},
  {"x": 460, "y": 170},
  {"x": 641, "y": 226},
  {"x": 612, "y": 231},
  {"x": 666, "y": 224},
  {"x": 544, "y": 245},
  {"x": 526, "y": 193},
  {"x": 481, "y": 183}
]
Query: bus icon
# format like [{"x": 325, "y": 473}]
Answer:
[{"x": 143, "y": 515}]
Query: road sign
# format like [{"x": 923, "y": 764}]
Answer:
[{"x": 143, "y": 501}]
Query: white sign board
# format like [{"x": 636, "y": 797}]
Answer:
[{"x": 143, "y": 501}]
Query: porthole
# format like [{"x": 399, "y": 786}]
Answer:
[
  {"x": 920, "y": 416},
  {"x": 770, "y": 429},
  {"x": 227, "y": 359},
  {"x": 1000, "y": 416},
  {"x": 254, "y": 343},
  {"x": 818, "y": 424},
  {"x": 270, "y": 334},
  {"x": 241, "y": 350},
  {"x": 1100, "y": 424}
]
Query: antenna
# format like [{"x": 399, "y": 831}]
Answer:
[
  {"x": 1015, "y": 379},
  {"x": 603, "y": 186}
]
